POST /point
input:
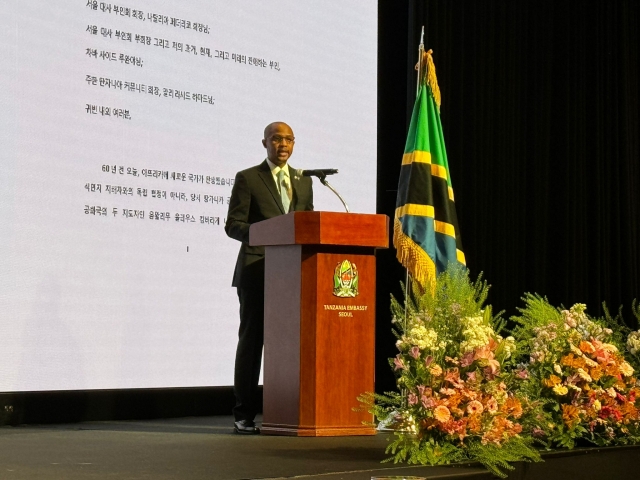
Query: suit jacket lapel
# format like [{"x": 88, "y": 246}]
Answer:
[{"x": 267, "y": 178}]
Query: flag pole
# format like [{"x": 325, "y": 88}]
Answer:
[
  {"x": 408, "y": 277},
  {"x": 419, "y": 68},
  {"x": 420, "y": 57}
]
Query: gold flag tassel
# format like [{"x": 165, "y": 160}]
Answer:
[
  {"x": 427, "y": 74},
  {"x": 413, "y": 258},
  {"x": 432, "y": 80}
]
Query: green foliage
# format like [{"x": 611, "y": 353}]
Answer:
[
  {"x": 413, "y": 450},
  {"x": 497, "y": 458},
  {"x": 537, "y": 312},
  {"x": 428, "y": 451}
]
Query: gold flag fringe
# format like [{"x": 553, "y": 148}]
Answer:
[
  {"x": 421, "y": 267},
  {"x": 431, "y": 79}
]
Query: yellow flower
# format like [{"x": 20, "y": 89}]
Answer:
[
  {"x": 435, "y": 370},
  {"x": 590, "y": 363},
  {"x": 583, "y": 375},
  {"x": 442, "y": 414},
  {"x": 597, "y": 405},
  {"x": 575, "y": 350},
  {"x": 560, "y": 390},
  {"x": 626, "y": 369}
]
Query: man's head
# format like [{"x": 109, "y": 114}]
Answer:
[{"x": 279, "y": 141}]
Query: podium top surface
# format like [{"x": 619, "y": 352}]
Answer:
[{"x": 322, "y": 228}]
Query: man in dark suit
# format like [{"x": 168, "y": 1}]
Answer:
[{"x": 265, "y": 191}]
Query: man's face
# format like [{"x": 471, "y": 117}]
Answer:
[{"x": 279, "y": 141}]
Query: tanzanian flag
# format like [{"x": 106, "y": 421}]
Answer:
[{"x": 425, "y": 230}]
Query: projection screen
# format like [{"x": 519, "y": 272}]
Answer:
[{"x": 122, "y": 128}]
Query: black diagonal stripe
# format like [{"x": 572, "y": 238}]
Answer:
[{"x": 418, "y": 186}]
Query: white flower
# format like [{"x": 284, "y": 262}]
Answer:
[
  {"x": 633, "y": 342},
  {"x": 508, "y": 345},
  {"x": 423, "y": 337},
  {"x": 475, "y": 333}
]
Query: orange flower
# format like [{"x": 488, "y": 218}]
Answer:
[
  {"x": 572, "y": 361},
  {"x": 596, "y": 373},
  {"x": 612, "y": 369},
  {"x": 567, "y": 360},
  {"x": 474, "y": 424},
  {"x": 442, "y": 414},
  {"x": 454, "y": 401},
  {"x": 629, "y": 411},
  {"x": 586, "y": 347},
  {"x": 552, "y": 381},
  {"x": 501, "y": 428},
  {"x": 570, "y": 415},
  {"x": 512, "y": 407}
]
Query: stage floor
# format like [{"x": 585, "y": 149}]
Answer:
[
  {"x": 189, "y": 448},
  {"x": 207, "y": 448}
]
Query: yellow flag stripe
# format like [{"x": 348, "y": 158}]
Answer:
[
  {"x": 415, "y": 209},
  {"x": 417, "y": 156},
  {"x": 461, "y": 258},
  {"x": 438, "y": 171},
  {"x": 445, "y": 228},
  {"x": 426, "y": 211}
]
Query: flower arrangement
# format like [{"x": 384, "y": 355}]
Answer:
[
  {"x": 465, "y": 392},
  {"x": 455, "y": 401},
  {"x": 586, "y": 387},
  {"x": 630, "y": 337}
]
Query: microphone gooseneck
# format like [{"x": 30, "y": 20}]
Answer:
[{"x": 322, "y": 175}]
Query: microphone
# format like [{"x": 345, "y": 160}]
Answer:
[{"x": 321, "y": 173}]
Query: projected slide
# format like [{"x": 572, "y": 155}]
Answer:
[{"x": 122, "y": 126}]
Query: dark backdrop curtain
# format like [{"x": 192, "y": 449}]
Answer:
[{"x": 540, "y": 116}]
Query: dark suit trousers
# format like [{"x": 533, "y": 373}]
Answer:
[{"x": 249, "y": 351}]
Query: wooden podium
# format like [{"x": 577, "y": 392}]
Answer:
[{"x": 319, "y": 324}]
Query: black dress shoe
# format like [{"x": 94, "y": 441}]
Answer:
[{"x": 246, "y": 427}]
